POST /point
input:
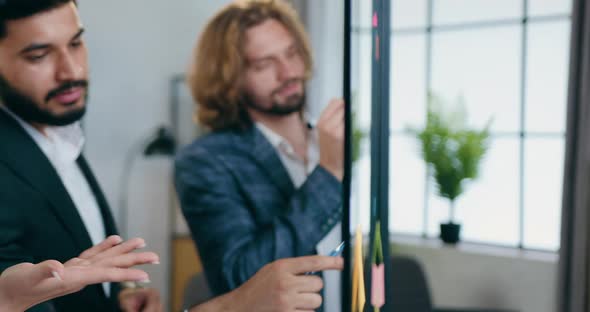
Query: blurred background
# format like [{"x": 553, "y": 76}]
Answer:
[{"x": 506, "y": 59}]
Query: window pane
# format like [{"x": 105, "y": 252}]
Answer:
[
  {"x": 488, "y": 210},
  {"x": 360, "y": 195},
  {"x": 361, "y": 107},
  {"x": 462, "y": 11},
  {"x": 408, "y": 80},
  {"x": 544, "y": 159},
  {"x": 362, "y": 13},
  {"x": 547, "y": 76},
  {"x": 409, "y": 13},
  {"x": 361, "y": 79},
  {"x": 406, "y": 180},
  {"x": 549, "y": 7},
  {"x": 482, "y": 66}
]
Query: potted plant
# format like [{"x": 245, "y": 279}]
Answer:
[{"x": 452, "y": 151}]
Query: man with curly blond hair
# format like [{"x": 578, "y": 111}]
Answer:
[{"x": 265, "y": 183}]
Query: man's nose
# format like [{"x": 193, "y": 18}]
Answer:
[
  {"x": 286, "y": 70},
  {"x": 68, "y": 69}
]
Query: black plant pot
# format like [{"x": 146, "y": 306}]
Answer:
[{"x": 450, "y": 232}]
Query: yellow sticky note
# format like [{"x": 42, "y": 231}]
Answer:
[{"x": 358, "y": 279}]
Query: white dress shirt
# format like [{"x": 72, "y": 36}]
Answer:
[
  {"x": 62, "y": 146},
  {"x": 298, "y": 170}
]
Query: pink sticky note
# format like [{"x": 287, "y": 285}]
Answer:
[
  {"x": 378, "y": 285},
  {"x": 375, "y": 20},
  {"x": 377, "y": 48}
]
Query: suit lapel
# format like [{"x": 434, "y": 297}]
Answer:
[
  {"x": 107, "y": 217},
  {"x": 20, "y": 153},
  {"x": 267, "y": 158}
]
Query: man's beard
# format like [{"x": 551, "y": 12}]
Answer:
[
  {"x": 294, "y": 103},
  {"x": 27, "y": 109}
]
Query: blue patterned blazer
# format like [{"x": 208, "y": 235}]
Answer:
[{"x": 242, "y": 208}]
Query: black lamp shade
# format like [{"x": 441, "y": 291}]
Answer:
[{"x": 162, "y": 144}]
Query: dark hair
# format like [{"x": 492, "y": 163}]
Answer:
[{"x": 17, "y": 9}]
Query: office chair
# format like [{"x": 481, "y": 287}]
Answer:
[
  {"x": 196, "y": 291},
  {"x": 409, "y": 291}
]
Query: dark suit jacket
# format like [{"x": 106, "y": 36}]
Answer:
[
  {"x": 38, "y": 219},
  {"x": 243, "y": 209}
]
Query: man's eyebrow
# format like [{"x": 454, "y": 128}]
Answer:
[
  {"x": 79, "y": 34},
  {"x": 34, "y": 47},
  {"x": 43, "y": 46}
]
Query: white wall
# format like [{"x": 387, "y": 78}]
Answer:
[
  {"x": 325, "y": 23},
  {"x": 472, "y": 276},
  {"x": 135, "y": 47}
]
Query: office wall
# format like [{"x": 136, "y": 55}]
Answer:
[{"x": 325, "y": 22}]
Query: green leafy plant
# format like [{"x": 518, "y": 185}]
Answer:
[
  {"x": 358, "y": 134},
  {"x": 451, "y": 150},
  {"x": 357, "y": 138}
]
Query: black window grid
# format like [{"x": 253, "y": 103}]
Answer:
[{"x": 429, "y": 30}]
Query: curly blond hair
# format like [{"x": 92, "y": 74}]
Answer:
[{"x": 219, "y": 59}]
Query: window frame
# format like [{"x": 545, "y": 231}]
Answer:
[{"x": 429, "y": 30}]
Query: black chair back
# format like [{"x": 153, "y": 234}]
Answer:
[{"x": 409, "y": 291}]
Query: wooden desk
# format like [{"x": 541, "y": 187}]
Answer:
[{"x": 185, "y": 264}]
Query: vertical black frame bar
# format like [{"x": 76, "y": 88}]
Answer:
[
  {"x": 375, "y": 114},
  {"x": 380, "y": 99},
  {"x": 346, "y": 286}
]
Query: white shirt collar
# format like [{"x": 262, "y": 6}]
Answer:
[
  {"x": 63, "y": 142},
  {"x": 297, "y": 168},
  {"x": 280, "y": 143},
  {"x": 274, "y": 138}
]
